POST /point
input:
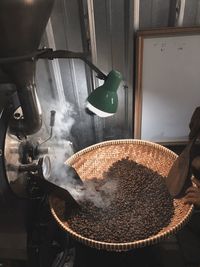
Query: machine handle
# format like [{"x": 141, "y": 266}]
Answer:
[{"x": 52, "y": 118}]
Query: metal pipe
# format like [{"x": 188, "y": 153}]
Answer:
[
  {"x": 32, "y": 121},
  {"x": 70, "y": 54},
  {"x": 48, "y": 53},
  {"x": 22, "y": 23},
  {"x": 22, "y": 75}
]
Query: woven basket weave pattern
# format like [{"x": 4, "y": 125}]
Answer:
[{"x": 95, "y": 160}]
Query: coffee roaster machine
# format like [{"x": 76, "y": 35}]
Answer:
[{"x": 26, "y": 229}]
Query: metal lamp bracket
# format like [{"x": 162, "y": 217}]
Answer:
[{"x": 48, "y": 53}]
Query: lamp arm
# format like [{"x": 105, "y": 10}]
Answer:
[
  {"x": 69, "y": 54},
  {"x": 32, "y": 56},
  {"x": 48, "y": 53}
]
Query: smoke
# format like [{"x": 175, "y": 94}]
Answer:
[
  {"x": 64, "y": 118},
  {"x": 100, "y": 195},
  {"x": 60, "y": 149},
  {"x": 60, "y": 146}
]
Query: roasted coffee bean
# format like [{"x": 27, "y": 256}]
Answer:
[{"x": 139, "y": 207}]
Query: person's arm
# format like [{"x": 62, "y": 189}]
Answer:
[
  {"x": 194, "y": 123},
  {"x": 193, "y": 193}
]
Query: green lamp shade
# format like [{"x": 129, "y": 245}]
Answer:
[{"x": 104, "y": 100}]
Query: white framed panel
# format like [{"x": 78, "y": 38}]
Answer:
[{"x": 168, "y": 83}]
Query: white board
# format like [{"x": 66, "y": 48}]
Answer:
[{"x": 170, "y": 87}]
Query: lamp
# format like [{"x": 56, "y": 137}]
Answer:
[{"x": 104, "y": 100}]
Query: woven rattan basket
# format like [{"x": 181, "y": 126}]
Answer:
[{"x": 94, "y": 160}]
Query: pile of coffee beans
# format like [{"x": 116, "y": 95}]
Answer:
[{"x": 139, "y": 207}]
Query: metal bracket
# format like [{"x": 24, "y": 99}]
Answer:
[{"x": 48, "y": 53}]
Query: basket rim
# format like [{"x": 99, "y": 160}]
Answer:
[
  {"x": 119, "y": 141},
  {"x": 133, "y": 244}
]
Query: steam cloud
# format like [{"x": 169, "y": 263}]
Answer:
[
  {"x": 61, "y": 149},
  {"x": 101, "y": 197}
]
